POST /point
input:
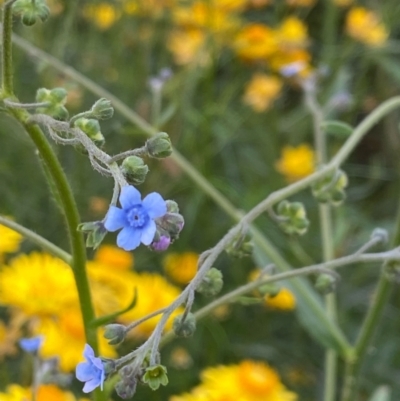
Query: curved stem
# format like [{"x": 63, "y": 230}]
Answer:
[
  {"x": 72, "y": 220},
  {"x": 37, "y": 239}
]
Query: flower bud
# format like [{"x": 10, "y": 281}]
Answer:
[
  {"x": 155, "y": 376},
  {"x": 31, "y": 11},
  {"x": 159, "y": 146},
  {"x": 161, "y": 243},
  {"x": 381, "y": 234},
  {"x": 326, "y": 283},
  {"x": 102, "y": 109},
  {"x": 292, "y": 217},
  {"x": 172, "y": 206},
  {"x": 270, "y": 289},
  {"x": 241, "y": 246},
  {"x": 95, "y": 231},
  {"x": 115, "y": 333},
  {"x": 56, "y": 99},
  {"x": 184, "y": 326},
  {"x": 172, "y": 224},
  {"x": 134, "y": 170},
  {"x": 392, "y": 270},
  {"x": 212, "y": 283},
  {"x": 91, "y": 128},
  {"x": 330, "y": 189},
  {"x": 126, "y": 389}
]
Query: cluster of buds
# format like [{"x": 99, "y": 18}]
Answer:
[
  {"x": 330, "y": 189},
  {"x": 168, "y": 227},
  {"x": 30, "y": 11},
  {"x": 292, "y": 217},
  {"x": 326, "y": 283},
  {"x": 241, "y": 246},
  {"x": 55, "y": 100},
  {"x": 184, "y": 325}
]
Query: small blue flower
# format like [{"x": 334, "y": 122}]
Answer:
[
  {"x": 31, "y": 344},
  {"x": 136, "y": 218},
  {"x": 92, "y": 372}
]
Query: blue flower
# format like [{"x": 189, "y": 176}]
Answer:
[
  {"x": 92, "y": 372},
  {"x": 136, "y": 218},
  {"x": 31, "y": 344}
]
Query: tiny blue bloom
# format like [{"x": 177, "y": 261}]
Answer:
[
  {"x": 136, "y": 218},
  {"x": 31, "y": 344},
  {"x": 92, "y": 372}
]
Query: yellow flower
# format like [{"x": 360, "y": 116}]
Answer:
[
  {"x": 365, "y": 26},
  {"x": 284, "y": 300},
  {"x": 9, "y": 334},
  {"x": 45, "y": 392},
  {"x": 181, "y": 267},
  {"x": 114, "y": 257},
  {"x": 153, "y": 293},
  {"x": 296, "y": 162},
  {"x": 187, "y": 46},
  {"x": 255, "y": 42},
  {"x": 38, "y": 285},
  {"x": 64, "y": 338},
  {"x": 9, "y": 240},
  {"x": 292, "y": 34},
  {"x": 283, "y": 58},
  {"x": 104, "y": 15},
  {"x": 153, "y": 8},
  {"x": 247, "y": 381},
  {"x": 261, "y": 91},
  {"x": 258, "y": 3}
]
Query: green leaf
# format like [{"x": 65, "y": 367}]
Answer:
[
  {"x": 112, "y": 316},
  {"x": 337, "y": 128},
  {"x": 310, "y": 310},
  {"x": 382, "y": 393}
]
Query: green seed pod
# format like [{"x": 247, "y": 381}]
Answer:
[
  {"x": 212, "y": 283},
  {"x": 184, "y": 328},
  {"x": 159, "y": 146},
  {"x": 115, "y": 333},
  {"x": 91, "y": 128},
  {"x": 292, "y": 217},
  {"x": 30, "y": 11},
  {"x": 135, "y": 170}
]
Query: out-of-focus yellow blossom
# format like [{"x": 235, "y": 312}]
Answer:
[
  {"x": 181, "y": 267},
  {"x": 343, "y": 3},
  {"x": 292, "y": 34},
  {"x": 9, "y": 241},
  {"x": 104, "y": 15},
  {"x": 255, "y": 42},
  {"x": 284, "y": 300},
  {"x": 180, "y": 358},
  {"x": 261, "y": 91},
  {"x": 230, "y": 5},
  {"x": 296, "y": 162},
  {"x": 284, "y": 58},
  {"x": 153, "y": 8},
  {"x": 258, "y": 3},
  {"x": 9, "y": 334},
  {"x": 114, "y": 257},
  {"x": 64, "y": 337},
  {"x": 56, "y": 7},
  {"x": 37, "y": 284},
  {"x": 365, "y": 26},
  {"x": 153, "y": 293},
  {"x": 205, "y": 15},
  {"x": 45, "y": 392},
  {"x": 249, "y": 381},
  {"x": 187, "y": 46},
  {"x": 301, "y": 3}
]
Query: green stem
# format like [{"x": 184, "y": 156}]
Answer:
[
  {"x": 72, "y": 221},
  {"x": 37, "y": 239},
  {"x": 6, "y": 61},
  {"x": 330, "y": 20}
]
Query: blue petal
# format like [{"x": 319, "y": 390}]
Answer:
[
  {"x": 155, "y": 205},
  {"x": 88, "y": 351},
  {"x": 148, "y": 233},
  {"x": 84, "y": 372},
  {"x": 91, "y": 385},
  {"x": 129, "y": 238},
  {"x": 129, "y": 197},
  {"x": 115, "y": 219}
]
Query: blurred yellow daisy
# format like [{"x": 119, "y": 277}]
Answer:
[
  {"x": 9, "y": 241},
  {"x": 104, "y": 15},
  {"x": 296, "y": 162},
  {"x": 45, "y": 392},
  {"x": 284, "y": 300},
  {"x": 114, "y": 257},
  {"x": 181, "y": 267}
]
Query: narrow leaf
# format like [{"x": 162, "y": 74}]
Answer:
[{"x": 337, "y": 128}]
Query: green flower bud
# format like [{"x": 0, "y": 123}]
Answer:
[
  {"x": 172, "y": 224},
  {"x": 392, "y": 270},
  {"x": 326, "y": 283},
  {"x": 56, "y": 99},
  {"x": 159, "y": 146},
  {"x": 331, "y": 188},
  {"x": 269, "y": 289},
  {"x": 381, "y": 234},
  {"x": 186, "y": 327},
  {"x": 212, "y": 283},
  {"x": 240, "y": 247},
  {"x": 30, "y": 11},
  {"x": 126, "y": 388},
  {"x": 115, "y": 333},
  {"x": 134, "y": 170},
  {"x": 102, "y": 109},
  {"x": 91, "y": 128},
  {"x": 172, "y": 206},
  {"x": 155, "y": 376},
  {"x": 292, "y": 217},
  {"x": 95, "y": 231}
]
